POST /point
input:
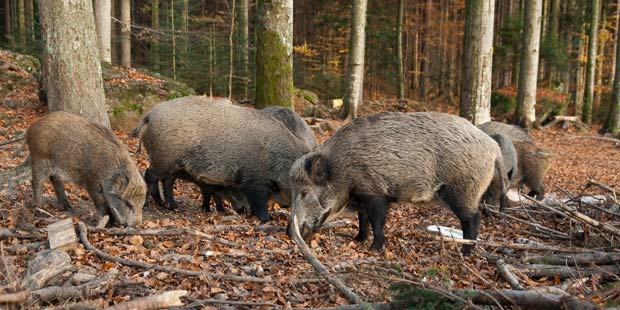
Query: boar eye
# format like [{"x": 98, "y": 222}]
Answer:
[{"x": 303, "y": 194}]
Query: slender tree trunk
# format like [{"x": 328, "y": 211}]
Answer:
[
  {"x": 244, "y": 38},
  {"x": 567, "y": 33},
  {"x": 29, "y": 21},
  {"x": 615, "y": 42},
  {"x": 21, "y": 25},
  {"x": 355, "y": 70},
  {"x": 399, "y": 49},
  {"x": 125, "y": 33},
  {"x": 274, "y": 54},
  {"x": 598, "y": 80},
  {"x": 231, "y": 49},
  {"x": 71, "y": 64},
  {"x": 114, "y": 27},
  {"x": 612, "y": 122},
  {"x": 579, "y": 47},
  {"x": 8, "y": 23},
  {"x": 475, "y": 103},
  {"x": 184, "y": 29},
  {"x": 155, "y": 44},
  {"x": 103, "y": 23},
  {"x": 553, "y": 33},
  {"x": 174, "y": 41},
  {"x": 525, "y": 114},
  {"x": 425, "y": 65},
  {"x": 591, "y": 64}
]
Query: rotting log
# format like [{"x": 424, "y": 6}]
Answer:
[{"x": 598, "y": 258}]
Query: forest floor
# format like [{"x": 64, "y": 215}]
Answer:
[{"x": 238, "y": 245}]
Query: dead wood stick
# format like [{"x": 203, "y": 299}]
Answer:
[
  {"x": 28, "y": 246},
  {"x": 565, "y": 272},
  {"x": 581, "y": 217},
  {"x": 603, "y": 186},
  {"x": 394, "y": 305},
  {"x": 307, "y": 253},
  {"x": 12, "y": 140},
  {"x": 510, "y": 277},
  {"x": 530, "y": 299},
  {"x": 597, "y": 258},
  {"x": 127, "y": 262},
  {"x": 163, "y": 232},
  {"x": 18, "y": 297},
  {"x": 153, "y": 302},
  {"x": 75, "y": 306},
  {"x": 88, "y": 289},
  {"x": 517, "y": 246},
  {"x": 202, "y": 302},
  {"x": 537, "y": 226},
  {"x": 595, "y": 138}
]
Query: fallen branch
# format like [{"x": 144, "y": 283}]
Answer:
[
  {"x": 89, "y": 289},
  {"x": 3, "y": 143},
  {"x": 598, "y": 258},
  {"x": 394, "y": 305},
  {"x": 127, "y": 262},
  {"x": 27, "y": 246},
  {"x": 203, "y": 302},
  {"x": 75, "y": 306},
  {"x": 510, "y": 277},
  {"x": 564, "y": 272},
  {"x": 537, "y": 226},
  {"x": 307, "y": 253},
  {"x": 530, "y": 299},
  {"x": 517, "y": 246},
  {"x": 153, "y": 302},
  {"x": 18, "y": 297},
  {"x": 163, "y": 232},
  {"x": 595, "y": 138}
]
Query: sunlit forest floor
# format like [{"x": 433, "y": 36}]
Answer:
[{"x": 246, "y": 248}]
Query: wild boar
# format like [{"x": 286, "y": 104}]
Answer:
[
  {"x": 395, "y": 157},
  {"x": 533, "y": 161},
  {"x": 294, "y": 123},
  {"x": 511, "y": 166},
  {"x": 65, "y": 146},
  {"x": 219, "y": 144}
]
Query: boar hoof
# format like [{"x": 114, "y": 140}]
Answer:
[
  {"x": 361, "y": 237},
  {"x": 466, "y": 249},
  {"x": 264, "y": 219},
  {"x": 377, "y": 245}
]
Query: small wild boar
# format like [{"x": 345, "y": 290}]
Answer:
[
  {"x": 65, "y": 146},
  {"x": 533, "y": 161},
  {"x": 395, "y": 157},
  {"x": 511, "y": 166},
  {"x": 220, "y": 144}
]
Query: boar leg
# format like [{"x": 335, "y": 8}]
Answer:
[
  {"x": 37, "y": 182},
  {"x": 258, "y": 196},
  {"x": 207, "y": 193},
  {"x": 466, "y": 209},
  {"x": 59, "y": 188},
  {"x": 362, "y": 235},
  {"x": 168, "y": 187},
  {"x": 376, "y": 208},
  {"x": 152, "y": 183},
  {"x": 537, "y": 189}
]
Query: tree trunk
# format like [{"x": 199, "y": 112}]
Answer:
[
  {"x": 71, "y": 64},
  {"x": 8, "y": 23},
  {"x": 125, "y": 33},
  {"x": 244, "y": 42},
  {"x": 475, "y": 103},
  {"x": 231, "y": 49},
  {"x": 612, "y": 123},
  {"x": 425, "y": 65},
  {"x": 103, "y": 21},
  {"x": 155, "y": 44},
  {"x": 553, "y": 33},
  {"x": 21, "y": 25},
  {"x": 615, "y": 40},
  {"x": 184, "y": 37},
  {"x": 274, "y": 54},
  {"x": 525, "y": 114},
  {"x": 399, "y": 49},
  {"x": 29, "y": 21},
  {"x": 174, "y": 41},
  {"x": 114, "y": 32},
  {"x": 355, "y": 70},
  {"x": 591, "y": 64},
  {"x": 579, "y": 47},
  {"x": 598, "y": 80}
]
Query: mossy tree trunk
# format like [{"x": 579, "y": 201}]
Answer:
[
  {"x": 525, "y": 113},
  {"x": 103, "y": 23},
  {"x": 475, "y": 102},
  {"x": 355, "y": 71},
  {"x": 274, "y": 54},
  {"x": 612, "y": 122},
  {"x": 591, "y": 62},
  {"x": 21, "y": 24},
  {"x": 71, "y": 60}
]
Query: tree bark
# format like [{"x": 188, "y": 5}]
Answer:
[
  {"x": 612, "y": 122},
  {"x": 579, "y": 64},
  {"x": 475, "y": 103},
  {"x": 125, "y": 33},
  {"x": 525, "y": 114},
  {"x": 103, "y": 22},
  {"x": 29, "y": 21},
  {"x": 244, "y": 42},
  {"x": 615, "y": 40},
  {"x": 231, "y": 49},
  {"x": 598, "y": 80},
  {"x": 591, "y": 62},
  {"x": 21, "y": 25},
  {"x": 274, "y": 54},
  {"x": 399, "y": 49},
  {"x": 553, "y": 33},
  {"x": 155, "y": 25},
  {"x": 355, "y": 70},
  {"x": 8, "y": 23},
  {"x": 71, "y": 61}
]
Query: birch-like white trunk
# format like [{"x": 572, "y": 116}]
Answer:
[
  {"x": 525, "y": 113},
  {"x": 126, "y": 33},
  {"x": 591, "y": 62},
  {"x": 475, "y": 101},
  {"x": 355, "y": 70},
  {"x": 71, "y": 59},
  {"x": 103, "y": 23}
]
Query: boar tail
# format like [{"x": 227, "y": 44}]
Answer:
[{"x": 136, "y": 132}]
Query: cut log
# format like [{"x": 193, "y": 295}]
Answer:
[
  {"x": 153, "y": 302},
  {"x": 45, "y": 266},
  {"x": 564, "y": 272},
  {"x": 61, "y": 235}
]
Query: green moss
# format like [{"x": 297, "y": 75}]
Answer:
[
  {"x": 502, "y": 104},
  {"x": 274, "y": 79},
  {"x": 307, "y": 95}
]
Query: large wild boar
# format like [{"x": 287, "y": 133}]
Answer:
[
  {"x": 223, "y": 145},
  {"x": 294, "y": 123},
  {"x": 533, "y": 162},
  {"x": 396, "y": 157},
  {"x": 65, "y": 146}
]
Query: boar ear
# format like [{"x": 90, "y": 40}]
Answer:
[
  {"x": 318, "y": 169},
  {"x": 117, "y": 183}
]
